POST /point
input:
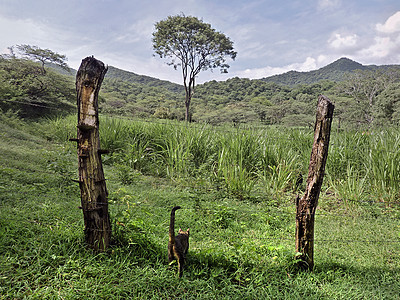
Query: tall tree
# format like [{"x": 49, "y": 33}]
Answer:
[
  {"x": 41, "y": 55},
  {"x": 194, "y": 46}
]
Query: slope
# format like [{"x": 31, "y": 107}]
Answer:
[{"x": 335, "y": 71}]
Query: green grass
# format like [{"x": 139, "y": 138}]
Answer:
[{"x": 240, "y": 246}]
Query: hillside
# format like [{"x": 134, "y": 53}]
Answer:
[
  {"x": 126, "y": 76},
  {"x": 282, "y": 99},
  {"x": 335, "y": 71},
  {"x": 115, "y": 73},
  {"x": 287, "y": 99}
]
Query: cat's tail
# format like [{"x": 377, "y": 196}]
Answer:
[{"x": 172, "y": 225}]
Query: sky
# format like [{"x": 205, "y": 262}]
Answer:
[{"x": 270, "y": 36}]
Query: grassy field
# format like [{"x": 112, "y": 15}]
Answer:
[{"x": 236, "y": 187}]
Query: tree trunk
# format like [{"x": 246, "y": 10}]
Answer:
[
  {"x": 188, "y": 98},
  {"x": 306, "y": 206},
  {"x": 189, "y": 91},
  {"x": 187, "y": 109},
  {"x": 91, "y": 176}
]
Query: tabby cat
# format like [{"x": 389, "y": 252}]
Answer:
[{"x": 177, "y": 245}]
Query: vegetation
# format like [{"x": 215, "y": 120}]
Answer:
[
  {"x": 236, "y": 187},
  {"x": 124, "y": 98},
  {"x": 336, "y": 72},
  {"x": 194, "y": 46},
  {"x": 26, "y": 88},
  {"x": 143, "y": 81},
  {"x": 364, "y": 99}
]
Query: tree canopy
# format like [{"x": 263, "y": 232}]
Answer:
[
  {"x": 194, "y": 46},
  {"x": 43, "y": 56}
]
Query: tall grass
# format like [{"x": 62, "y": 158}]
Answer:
[
  {"x": 365, "y": 165},
  {"x": 383, "y": 163},
  {"x": 360, "y": 165},
  {"x": 352, "y": 189},
  {"x": 278, "y": 178},
  {"x": 114, "y": 134},
  {"x": 239, "y": 156}
]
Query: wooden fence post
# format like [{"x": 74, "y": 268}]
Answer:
[
  {"x": 92, "y": 183},
  {"x": 306, "y": 206}
]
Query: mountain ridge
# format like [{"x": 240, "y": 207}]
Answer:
[{"x": 335, "y": 71}]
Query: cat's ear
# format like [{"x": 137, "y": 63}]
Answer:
[
  {"x": 180, "y": 229},
  {"x": 188, "y": 230}
]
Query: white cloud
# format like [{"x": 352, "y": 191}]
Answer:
[
  {"x": 384, "y": 50},
  {"x": 343, "y": 42},
  {"x": 391, "y": 25},
  {"x": 381, "y": 48},
  {"x": 384, "y": 47},
  {"x": 309, "y": 64}
]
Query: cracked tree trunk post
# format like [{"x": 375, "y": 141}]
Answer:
[
  {"x": 306, "y": 206},
  {"x": 92, "y": 183}
]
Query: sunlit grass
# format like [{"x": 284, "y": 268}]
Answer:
[
  {"x": 243, "y": 159},
  {"x": 241, "y": 245}
]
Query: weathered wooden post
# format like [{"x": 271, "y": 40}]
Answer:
[
  {"x": 306, "y": 206},
  {"x": 92, "y": 183}
]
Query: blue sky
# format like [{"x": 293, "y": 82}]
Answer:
[{"x": 271, "y": 37}]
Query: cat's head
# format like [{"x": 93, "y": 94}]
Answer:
[{"x": 184, "y": 232}]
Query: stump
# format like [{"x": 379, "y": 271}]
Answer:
[
  {"x": 92, "y": 183},
  {"x": 306, "y": 206}
]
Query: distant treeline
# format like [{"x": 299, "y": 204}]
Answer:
[{"x": 364, "y": 96}]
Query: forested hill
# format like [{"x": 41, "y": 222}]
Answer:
[
  {"x": 335, "y": 71},
  {"x": 115, "y": 73},
  {"x": 287, "y": 99},
  {"x": 127, "y": 76}
]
